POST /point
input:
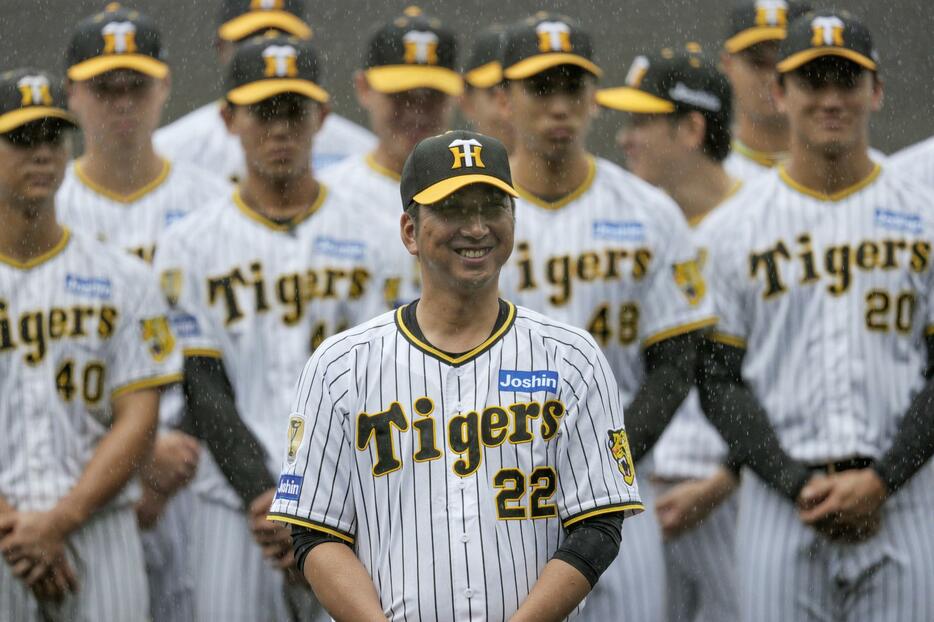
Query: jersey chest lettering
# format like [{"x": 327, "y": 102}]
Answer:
[{"x": 33, "y": 330}]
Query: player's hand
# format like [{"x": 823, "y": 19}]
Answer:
[
  {"x": 844, "y": 506},
  {"x": 275, "y": 539},
  {"x": 174, "y": 461},
  {"x": 687, "y": 504},
  {"x": 150, "y": 507},
  {"x": 32, "y": 545},
  {"x": 57, "y": 582}
]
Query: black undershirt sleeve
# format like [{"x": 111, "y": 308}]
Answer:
[
  {"x": 305, "y": 539},
  {"x": 913, "y": 445},
  {"x": 669, "y": 376},
  {"x": 211, "y": 416},
  {"x": 592, "y": 545},
  {"x": 732, "y": 408}
]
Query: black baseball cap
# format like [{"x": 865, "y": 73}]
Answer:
[
  {"x": 543, "y": 41},
  {"x": 485, "y": 68},
  {"x": 116, "y": 38},
  {"x": 670, "y": 82},
  {"x": 241, "y": 18},
  {"x": 443, "y": 164},
  {"x": 410, "y": 52},
  {"x": 755, "y": 21},
  {"x": 271, "y": 64},
  {"x": 827, "y": 33},
  {"x": 28, "y": 95}
]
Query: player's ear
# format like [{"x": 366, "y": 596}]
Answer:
[
  {"x": 324, "y": 110},
  {"x": 692, "y": 129},
  {"x": 361, "y": 88},
  {"x": 778, "y": 94},
  {"x": 407, "y": 228},
  {"x": 726, "y": 62},
  {"x": 227, "y": 113},
  {"x": 503, "y": 102},
  {"x": 878, "y": 93}
]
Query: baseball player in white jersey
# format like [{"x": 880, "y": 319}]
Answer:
[
  {"x": 200, "y": 136},
  {"x": 675, "y": 136},
  {"x": 84, "y": 346},
  {"x": 916, "y": 161},
  {"x": 258, "y": 279},
  {"x": 483, "y": 78},
  {"x": 824, "y": 288},
  {"x": 600, "y": 249},
  {"x": 460, "y": 429}
]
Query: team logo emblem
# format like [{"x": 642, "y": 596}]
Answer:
[
  {"x": 171, "y": 283},
  {"x": 553, "y": 37},
  {"x": 689, "y": 279},
  {"x": 771, "y": 13},
  {"x": 158, "y": 336},
  {"x": 466, "y": 153},
  {"x": 296, "y": 433},
  {"x": 35, "y": 90},
  {"x": 119, "y": 38},
  {"x": 421, "y": 47},
  {"x": 618, "y": 443},
  {"x": 827, "y": 30},
  {"x": 281, "y": 61},
  {"x": 267, "y": 5},
  {"x": 637, "y": 71}
]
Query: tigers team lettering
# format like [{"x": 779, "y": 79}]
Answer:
[{"x": 478, "y": 461}]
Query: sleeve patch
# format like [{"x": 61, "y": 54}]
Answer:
[
  {"x": 158, "y": 337},
  {"x": 296, "y": 433},
  {"x": 290, "y": 487},
  {"x": 689, "y": 279},
  {"x": 618, "y": 444}
]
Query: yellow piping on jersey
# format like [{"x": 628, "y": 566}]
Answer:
[
  {"x": 836, "y": 196},
  {"x": 206, "y": 352},
  {"x": 729, "y": 340},
  {"x": 464, "y": 357},
  {"x": 35, "y": 261},
  {"x": 599, "y": 511},
  {"x": 252, "y": 214},
  {"x": 148, "y": 383},
  {"x": 554, "y": 205},
  {"x": 124, "y": 198},
  {"x": 678, "y": 330},
  {"x": 759, "y": 157},
  {"x": 296, "y": 521},
  {"x": 696, "y": 220},
  {"x": 382, "y": 170}
]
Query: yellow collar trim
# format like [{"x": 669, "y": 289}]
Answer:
[
  {"x": 35, "y": 261},
  {"x": 572, "y": 196},
  {"x": 124, "y": 198},
  {"x": 382, "y": 170},
  {"x": 421, "y": 345},
  {"x": 759, "y": 157},
  {"x": 737, "y": 184},
  {"x": 252, "y": 214},
  {"x": 836, "y": 196}
]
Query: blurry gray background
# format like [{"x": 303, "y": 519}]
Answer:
[{"x": 36, "y": 32}]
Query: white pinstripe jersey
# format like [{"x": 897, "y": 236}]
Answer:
[
  {"x": 916, "y": 161},
  {"x": 80, "y": 325},
  {"x": 200, "y": 137},
  {"x": 615, "y": 257},
  {"x": 261, "y": 295},
  {"x": 745, "y": 163},
  {"x": 454, "y": 478},
  {"x": 830, "y": 296}
]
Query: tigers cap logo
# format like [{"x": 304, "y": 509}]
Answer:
[
  {"x": 637, "y": 71},
  {"x": 421, "y": 47},
  {"x": 771, "y": 13},
  {"x": 553, "y": 37},
  {"x": 827, "y": 31},
  {"x": 119, "y": 38},
  {"x": 466, "y": 153},
  {"x": 35, "y": 90},
  {"x": 281, "y": 61}
]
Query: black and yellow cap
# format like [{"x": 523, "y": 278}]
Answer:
[
  {"x": 755, "y": 21},
  {"x": 240, "y": 19},
  {"x": 413, "y": 51},
  {"x": 827, "y": 33},
  {"x": 670, "y": 81},
  {"x": 271, "y": 64},
  {"x": 543, "y": 41},
  {"x": 117, "y": 38},
  {"x": 28, "y": 95},
  {"x": 443, "y": 164},
  {"x": 484, "y": 69}
]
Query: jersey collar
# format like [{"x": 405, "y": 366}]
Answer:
[
  {"x": 124, "y": 198},
  {"x": 252, "y": 214},
  {"x": 836, "y": 196},
  {"x": 763, "y": 158},
  {"x": 568, "y": 198},
  {"x": 40, "y": 259},
  {"x": 376, "y": 167}
]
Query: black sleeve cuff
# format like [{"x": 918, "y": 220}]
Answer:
[
  {"x": 592, "y": 545},
  {"x": 305, "y": 539}
]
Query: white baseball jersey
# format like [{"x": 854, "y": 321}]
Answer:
[
  {"x": 79, "y": 326},
  {"x": 475, "y": 463},
  {"x": 616, "y": 258},
  {"x": 200, "y": 137},
  {"x": 830, "y": 296},
  {"x": 916, "y": 161},
  {"x": 261, "y": 295}
]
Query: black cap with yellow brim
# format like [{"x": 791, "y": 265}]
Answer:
[
  {"x": 827, "y": 33},
  {"x": 272, "y": 64},
  {"x": 755, "y": 21},
  {"x": 117, "y": 38},
  {"x": 240, "y": 19},
  {"x": 413, "y": 51},
  {"x": 443, "y": 164},
  {"x": 28, "y": 95},
  {"x": 484, "y": 69},
  {"x": 543, "y": 41}
]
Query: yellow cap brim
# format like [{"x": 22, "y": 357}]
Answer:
[
  {"x": 254, "y": 21},
  {"x": 264, "y": 89},
  {"x": 628, "y": 99},
  {"x": 801, "y": 58},
  {"x": 540, "y": 62},
  {"x": 398, "y": 78},
  {"x": 148, "y": 65},
  {"x": 446, "y": 187},
  {"x": 751, "y": 36},
  {"x": 15, "y": 118},
  {"x": 485, "y": 76}
]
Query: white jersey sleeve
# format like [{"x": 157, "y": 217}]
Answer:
[{"x": 916, "y": 161}]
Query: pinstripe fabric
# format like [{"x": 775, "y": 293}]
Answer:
[
  {"x": 916, "y": 161},
  {"x": 742, "y": 167},
  {"x": 167, "y": 549},
  {"x": 486, "y": 548}
]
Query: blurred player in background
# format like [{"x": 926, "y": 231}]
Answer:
[
  {"x": 483, "y": 77},
  {"x": 200, "y": 136},
  {"x": 916, "y": 161}
]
